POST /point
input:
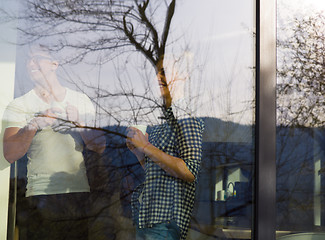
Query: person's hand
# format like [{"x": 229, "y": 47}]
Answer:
[
  {"x": 136, "y": 141},
  {"x": 46, "y": 118}
]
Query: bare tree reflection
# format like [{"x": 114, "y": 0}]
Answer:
[
  {"x": 96, "y": 32},
  {"x": 301, "y": 72},
  {"x": 119, "y": 26},
  {"x": 301, "y": 121}
]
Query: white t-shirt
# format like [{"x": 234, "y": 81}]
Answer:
[{"x": 55, "y": 160}]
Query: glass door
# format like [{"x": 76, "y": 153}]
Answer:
[{"x": 124, "y": 63}]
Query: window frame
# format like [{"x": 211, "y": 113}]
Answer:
[{"x": 265, "y": 129}]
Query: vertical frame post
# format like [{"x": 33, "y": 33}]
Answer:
[{"x": 265, "y": 138}]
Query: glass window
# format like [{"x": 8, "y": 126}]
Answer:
[
  {"x": 86, "y": 71},
  {"x": 300, "y": 119}
]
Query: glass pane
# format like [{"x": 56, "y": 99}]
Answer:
[
  {"x": 300, "y": 119},
  {"x": 86, "y": 71}
]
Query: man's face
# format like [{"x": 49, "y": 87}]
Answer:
[{"x": 40, "y": 66}]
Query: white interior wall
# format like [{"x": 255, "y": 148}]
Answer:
[
  {"x": 7, "y": 71},
  {"x": 7, "y": 77}
]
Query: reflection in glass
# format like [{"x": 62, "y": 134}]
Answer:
[
  {"x": 49, "y": 124},
  {"x": 300, "y": 118},
  {"x": 134, "y": 60},
  {"x": 170, "y": 156}
]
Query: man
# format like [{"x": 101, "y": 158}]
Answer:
[
  {"x": 171, "y": 157},
  {"x": 49, "y": 123}
]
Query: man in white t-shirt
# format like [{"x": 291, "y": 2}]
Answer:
[{"x": 50, "y": 123}]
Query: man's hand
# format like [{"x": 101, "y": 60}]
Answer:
[
  {"x": 136, "y": 138},
  {"x": 45, "y": 119},
  {"x": 136, "y": 141}
]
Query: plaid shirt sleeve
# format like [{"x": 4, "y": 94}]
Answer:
[{"x": 189, "y": 143}]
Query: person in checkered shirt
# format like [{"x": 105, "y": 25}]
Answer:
[{"x": 170, "y": 156}]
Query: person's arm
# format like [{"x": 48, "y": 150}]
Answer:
[
  {"x": 16, "y": 140},
  {"x": 172, "y": 165},
  {"x": 139, "y": 155},
  {"x": 188, "y": 143}
]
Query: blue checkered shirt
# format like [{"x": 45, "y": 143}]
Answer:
[{"x": 165, "y": 198}]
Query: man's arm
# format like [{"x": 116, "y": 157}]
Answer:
[
  {"x": 172, "y": 165},
  {"x": 16, "y": 142},
  {"x": 139, "y": 154},
  {"x": 188, "y": 143}
]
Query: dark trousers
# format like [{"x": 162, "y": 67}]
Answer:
[{"x": 58, "y": 217}]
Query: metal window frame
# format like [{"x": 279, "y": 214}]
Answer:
[{"x": 265, "y": 129}]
